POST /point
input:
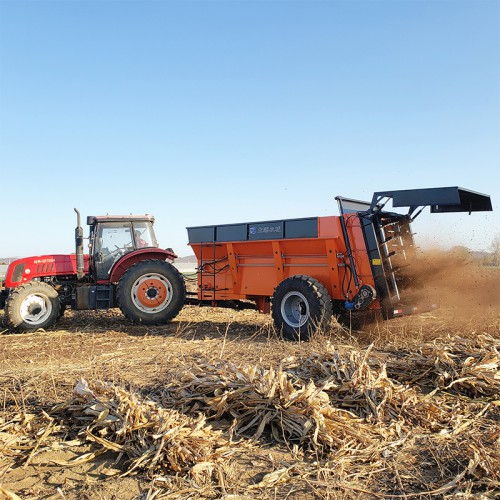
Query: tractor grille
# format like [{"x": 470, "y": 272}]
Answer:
[{"x": 45, "y": 268}]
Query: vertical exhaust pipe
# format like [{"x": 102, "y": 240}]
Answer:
[{"x": 79, "y": 247}]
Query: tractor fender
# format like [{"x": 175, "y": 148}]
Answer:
[{"x": 129, "y": 259}]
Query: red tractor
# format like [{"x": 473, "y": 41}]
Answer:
[{"x": 124, "y": 268}]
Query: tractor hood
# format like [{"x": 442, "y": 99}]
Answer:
[{"x": 24, "y": 270}]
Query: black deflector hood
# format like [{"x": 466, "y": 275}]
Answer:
[{"x": 441, "y": 200}]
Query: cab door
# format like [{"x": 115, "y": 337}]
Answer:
[{"x": 112, "y": 240}]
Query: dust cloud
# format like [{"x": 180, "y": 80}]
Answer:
[{"x": 452, "y": 279}]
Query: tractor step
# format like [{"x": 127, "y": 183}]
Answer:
[{"x": 93, "y": 297}]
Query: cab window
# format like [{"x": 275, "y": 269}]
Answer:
[
  {"x": 143, "y": 235},
  {"x": 116, "y": 237}
]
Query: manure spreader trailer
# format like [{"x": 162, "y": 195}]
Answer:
[{"x": 305, "y": 270}]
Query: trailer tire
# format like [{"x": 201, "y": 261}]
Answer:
[
  {"x": 32, "y": 306},
  {"x": 151, "y": 292},
  {"x": 300, "y": 306}
]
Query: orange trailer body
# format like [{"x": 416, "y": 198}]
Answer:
[{"x": 240, "y": 270}]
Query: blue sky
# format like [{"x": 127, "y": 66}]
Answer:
[{"x": 208, "y": 112}]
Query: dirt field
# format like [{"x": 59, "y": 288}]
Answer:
[{"x": 214, "y": 405}]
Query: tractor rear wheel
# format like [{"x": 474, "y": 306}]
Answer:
[
  {"x": 32, "y": 306},
  {"x": 151, "y": 292},
  {"x": 300, "y": 305}
]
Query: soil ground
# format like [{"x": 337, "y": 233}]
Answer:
[{"x": 39, "y": 370}]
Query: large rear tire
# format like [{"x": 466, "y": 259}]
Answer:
[
  {"x": 32, "y": 306},
  {"x": 300, "y": 306},
  {"x": 151, "y": 292}
]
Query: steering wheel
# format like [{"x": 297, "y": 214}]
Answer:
[{"x": 118, "y": 251}]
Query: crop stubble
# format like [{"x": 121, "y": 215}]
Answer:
[{"x": 214, "y": 405}]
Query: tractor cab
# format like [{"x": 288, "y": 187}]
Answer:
[{"x": 111, "y": 237}]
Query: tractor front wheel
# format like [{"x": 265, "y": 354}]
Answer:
[
  {"x": 32, "y": 306},
  {"x": 301, "y": 305},
  {"x": 151, "y": 292}
]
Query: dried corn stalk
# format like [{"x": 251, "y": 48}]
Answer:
[
  {"x": 23, "y": 434},
  {"x": 365, "y": 391},
  {"x": 465, "y": 366},
  {"x": 153, "y": 438},
  {"x": 272, "y": 400}
]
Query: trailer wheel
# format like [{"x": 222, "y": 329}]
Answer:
[
  {"x": 300, "y": 305},
  {"x": 32, "y": 306},
  {"x": 151, "y": 292}
]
